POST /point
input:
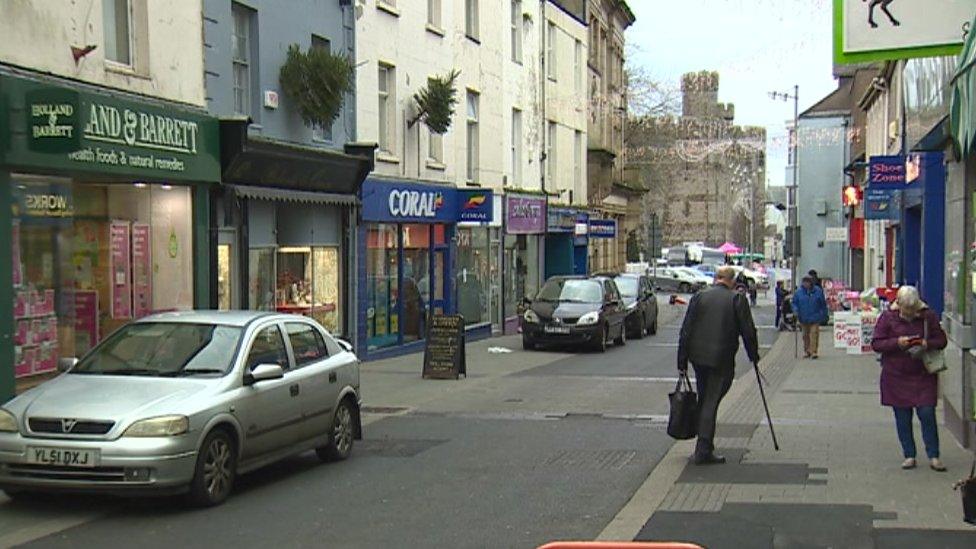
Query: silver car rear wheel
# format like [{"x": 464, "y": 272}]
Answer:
[{"x": 342, "y": 435}]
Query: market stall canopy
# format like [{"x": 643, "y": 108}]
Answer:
[
  {"x": 962, "y": 114},
  {"x": 729, "y": 248}
]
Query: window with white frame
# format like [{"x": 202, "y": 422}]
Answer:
[
  {"x": 241, "y": 57},
  {"x": 435, "y": 147},
  {"x": 516, "y": 147},
  {"x": 386, "y": 91},
  {"x": 578, "y": 164},
  {"x": 517, "y": 31},
  {"x": 473, "y": 154},
  {"x": 117, "y": 18},
  {"x": 551, "y": 52},
  {"x": 471, "y": 19},
  {"x": 551, "y": 160},
  {"x": 322, "y": 133},
  {"x": 434, "y": 13}
]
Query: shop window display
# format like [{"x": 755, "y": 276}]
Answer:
[
  {"x": 382, "y": 291},
  {"x": 307, "y": 282},
  {"x": 90, "y": 257},
  {"x": 261, "y": 286}
]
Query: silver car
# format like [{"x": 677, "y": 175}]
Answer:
[{"x": 183, "y": 402}]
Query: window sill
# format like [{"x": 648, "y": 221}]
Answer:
[
  {"x": 436, "y": 165},
  {"x": 434, "y": 29},
  {"x": 387, "y": 158},
  {"x": 123, "y": 69},
  {"x": 383, "y": 6},
  {"x": 473, "y": 39}
]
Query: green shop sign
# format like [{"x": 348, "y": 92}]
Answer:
[{"x": 77, "y": 130}]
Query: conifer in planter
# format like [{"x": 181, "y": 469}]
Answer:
[
  {"x": 317, "y": 81},
  {"x": 436, "y": 101}
]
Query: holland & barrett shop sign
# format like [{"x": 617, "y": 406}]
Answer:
[{"x": 78, "y": 130}]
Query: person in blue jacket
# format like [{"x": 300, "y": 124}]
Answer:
[{"x": 810, "y": 307}]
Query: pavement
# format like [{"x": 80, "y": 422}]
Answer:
[{"x": 836, "y": 481}]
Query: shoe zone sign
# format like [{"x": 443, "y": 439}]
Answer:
[
  {"x": 415, "y": 202},
  {"x": 881, "y": 30},
  {"x": 902, "y": 172}
]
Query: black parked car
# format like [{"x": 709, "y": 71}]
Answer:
[
  {"x": 640, "y": 301},
  {"x": 575, "y": 309}
]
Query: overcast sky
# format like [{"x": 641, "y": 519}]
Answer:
[{"x": 756, "y": 45}]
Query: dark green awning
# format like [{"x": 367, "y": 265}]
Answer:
[{"x": 962, "y": 114}]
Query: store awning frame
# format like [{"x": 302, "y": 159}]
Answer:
[
  {"x": 249, "y": 160},
  {"x": 962, "y": 112},
  {"x": 291, "y": 195}
]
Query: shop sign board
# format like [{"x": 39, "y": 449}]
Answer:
[
  {"x": 444, "y": 348},
  {"x": 417, "y": 202},
  {"x": 475, "y": 205},
  {"x": 103, "y": 132},
  {"x": 882, "y": 30},
  {"x": 562, "y": 220},
  {"x": 882, "y": 204},
  {"x": 603, "y": 228},
  {"x": 835, "y": 234},
  {"x": 525, "y": 214}
]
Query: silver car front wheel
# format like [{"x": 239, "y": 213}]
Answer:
[{"x": 216, "y": 470}]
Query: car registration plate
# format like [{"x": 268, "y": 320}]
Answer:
[
  {"x": 555, "y": 329},
  {"x": 62, "y": 457}
]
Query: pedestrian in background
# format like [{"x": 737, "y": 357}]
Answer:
[
  {"x": 709, "y": 339},
  {"x": 906, "y": 386},
  {"x": 815, "y": 278},
  {"x": 780, "y": 297},
  {"x": 810, "y": 307}
]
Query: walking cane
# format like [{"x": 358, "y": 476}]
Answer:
[{"x": 762, "y": 393}]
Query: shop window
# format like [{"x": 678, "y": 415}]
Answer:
[
  {"x": 307, "y": 282},
  {"x": 417, "y": 285},
  {"x": 88, "y": 258},
  {"x": 224, "y": 291},
  {"x": 474, "y": 275},
  {"x": 261, "y": 283},
  {"x": 382, "y": 290}
]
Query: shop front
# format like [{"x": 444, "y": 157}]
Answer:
[
  {"x": 409, "y": 265},
  {"x": 566, "y": 244},
  {"x": 285, "y": 228},
  {"x": 603, "y": 233},
  {"x": 106, "y": 217},
  {"x": 522, "y": 256},
  {"x": 477, "y": 278}
]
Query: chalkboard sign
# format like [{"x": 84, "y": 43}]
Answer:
[{"x": 444, "y": 350}]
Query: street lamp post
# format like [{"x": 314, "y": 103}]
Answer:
[{"x": 791, "y": 196}]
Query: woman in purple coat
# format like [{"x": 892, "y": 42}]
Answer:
[{"x": 906, "y": 385}]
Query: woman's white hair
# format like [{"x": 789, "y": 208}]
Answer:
[{"x": 908, "y": 299}]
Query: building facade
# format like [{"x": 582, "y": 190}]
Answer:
[
  {"x": 107, "y": 163},
  {"x": 286, "y": 214},
  {"x": 610, "y": 194},
  {"x": 515, "y": 134}
]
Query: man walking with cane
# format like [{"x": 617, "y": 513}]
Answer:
[{"x": 715, "y": 320}]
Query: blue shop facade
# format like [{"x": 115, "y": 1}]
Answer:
[
  {"x": 919, "y": 180},
  {"x": 423, "y": 249}
]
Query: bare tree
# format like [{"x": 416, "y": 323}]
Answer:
[{"x": 648, "y": 95}]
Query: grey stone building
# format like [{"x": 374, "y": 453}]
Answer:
[{"x": 705, "y": 175}]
